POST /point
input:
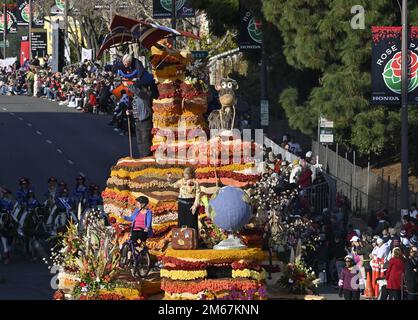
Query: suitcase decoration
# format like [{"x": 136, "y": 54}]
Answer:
[{"x": 184, "y": 239}]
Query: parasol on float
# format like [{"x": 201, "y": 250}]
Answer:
[{"x": 127, "y": 30}]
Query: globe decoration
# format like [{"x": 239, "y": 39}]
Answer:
[{"x": 230, "y": 210}]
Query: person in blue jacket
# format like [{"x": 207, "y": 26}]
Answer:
[
  {"x": 132, "y": 68},
  {"x": 6, "y": 201},
  {"x": 22, "y": 193},
  {"x": 32, "y": 202},
  {"x": 80, "y": 191},
  {"x": 94, "y": 199},
  {"x": 141, "y": 220}
]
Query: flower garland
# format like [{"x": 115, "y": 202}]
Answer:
[
  {"x": 217, "y": 255},
  {"x": 247, "y": 273},
  {"x": 183, "y": 274},
  {"x": 213, "y": 285}
]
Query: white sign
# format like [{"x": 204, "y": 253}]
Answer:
[
  {"x": 264, "y": 115},
  {"x": 86, "y": 54},
  {"x": 326, "y": 138},
  {"x": 7, "y": 62},
  {"x": 324, "y": 123}
]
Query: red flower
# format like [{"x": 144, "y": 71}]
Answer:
[
  {"x": 396, "y": 64},
  {"x": 83, "y": 284}
]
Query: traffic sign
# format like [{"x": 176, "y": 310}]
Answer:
[
  {"x": 264, "y": 115},
  {"x": 200, "y": 55}
]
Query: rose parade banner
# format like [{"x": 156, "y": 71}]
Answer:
[
  {"x": 250, "y": 31},
  {"x": 22, "y": 12},
  {"x": 11, "y": 20},
  {"x": 387, "y": 65},
  {"x": 161, "y": 9}
]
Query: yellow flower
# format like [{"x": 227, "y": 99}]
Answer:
[
  {"x": 247, "y": 273},
  {"x": 183, "y": 274},
  {"x": 221, "y": 255}
]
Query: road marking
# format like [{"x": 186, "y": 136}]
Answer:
[
  {"x": 49, "y": 141},
  {"x": 38, "y": 133},
  {"x": 12, "y": 113},
  {"x": 82, "y": 174},
  {"x": 59, "y": 151},
  {"x": 70, "y": 162},
  {"x": 29, "y": 124},
  {"x": 20, "y": 118},
  {"x": 5, "y": 109}
]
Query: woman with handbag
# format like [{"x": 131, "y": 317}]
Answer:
[{"x": 188, "y": 199}]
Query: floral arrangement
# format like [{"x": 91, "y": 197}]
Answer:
[
  {"x": 299, "y": 279},
  {"x": 92, "y": 254}
]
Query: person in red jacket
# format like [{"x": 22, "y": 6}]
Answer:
[
  {"x": 305, "y": 179},
  {"x": 395, "y": 274}
]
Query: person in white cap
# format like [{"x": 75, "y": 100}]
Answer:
[{"x": 349, "y": 284}]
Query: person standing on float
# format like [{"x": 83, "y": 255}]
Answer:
[{"x": 188, "y": 199}]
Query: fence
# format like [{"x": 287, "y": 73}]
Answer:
[
  {"x": 365, "y": 190},
  {"x": 322, "y": 195}
]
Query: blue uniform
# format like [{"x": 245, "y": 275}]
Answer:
[
  {"x": 22, "y": 196},
  {"x": 6, "y": 204},
  {"x": 32, "y": 204},
  {"x": 80, "y": 193},
  {"x": 94, "y": 201},
  {"x": 61, "y": 205}
]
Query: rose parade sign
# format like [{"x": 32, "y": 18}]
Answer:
[
  {"x": 387, "y": 65},
  {"x": 250, "y": 31}
]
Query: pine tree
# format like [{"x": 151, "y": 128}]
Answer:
[{"x": 317, "y": 35}]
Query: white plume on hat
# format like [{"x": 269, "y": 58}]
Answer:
[{"x": 308, "y": 154}]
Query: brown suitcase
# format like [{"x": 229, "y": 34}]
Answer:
[{"x": 184, "y": 239}]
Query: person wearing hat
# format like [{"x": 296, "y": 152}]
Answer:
[
  {"x": 349, "y": 284},
  {"x": 411, "y": 274},
  {"x": 22, "y": 193},
  {"x": 94, "y": 198},
  {"x": 141, "y": 219},
  {"x": 394, "y": 275},
  {"x": 80, "y": 190},
  {"x": 64, "y": 201},
  {"x": 51, "y": 193},
  {"x": 6, "y": 200},
  {"x": 32, "y": 203}
]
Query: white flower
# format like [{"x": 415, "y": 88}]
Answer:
[
  {"x": 84, "y": 289},
  {"x": 290, "y": 281},
  {"x": 97, "y": 279}
]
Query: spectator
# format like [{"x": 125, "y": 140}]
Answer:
[
  {"x": 411, "y": 274},
  {"x": 348, "y": 284},
  {"x": 394, "y": 275},
  {"x": 294, "y": 147},
  {"x": 413, "y": 212}
]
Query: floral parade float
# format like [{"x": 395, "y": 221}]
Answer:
[{"x": 88, "y": 260}]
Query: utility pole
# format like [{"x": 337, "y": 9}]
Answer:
[
  {"x": 404, "y": 112},
  {"x": 4, "y": 29},
  {"x": 30, "y": 29},
  {"x": 263, "y": 81},
  {"x": 66, "y": 37},
  {"x": 173, "y": 19}
]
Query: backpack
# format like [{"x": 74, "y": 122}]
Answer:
[{"x": 141, "y": 105}]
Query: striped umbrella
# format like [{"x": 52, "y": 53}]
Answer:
[{"x": 125, "y": 30}]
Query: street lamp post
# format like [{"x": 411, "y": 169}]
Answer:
[
  {"x": 173, "y": 19},
  {"x": 404, "y": 112},
  {"x": 4, "y": 28}
]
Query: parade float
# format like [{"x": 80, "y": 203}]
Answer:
[{"x": 229, "y": 263}]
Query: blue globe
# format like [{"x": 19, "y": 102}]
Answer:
[{"x": 230, "y": 208}]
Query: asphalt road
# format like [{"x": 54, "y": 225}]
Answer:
[{"x": 39, "y": 139}]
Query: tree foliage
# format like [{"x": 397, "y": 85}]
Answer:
[{"x": 317, "y": 35}]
